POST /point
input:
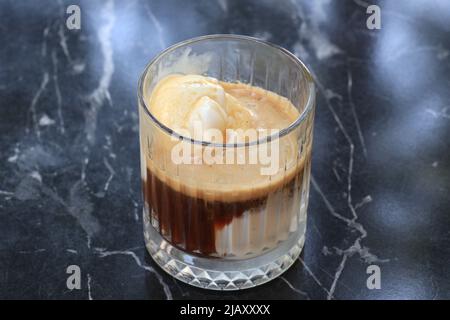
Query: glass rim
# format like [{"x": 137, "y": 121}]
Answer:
[{"x": 308, "y": 108}]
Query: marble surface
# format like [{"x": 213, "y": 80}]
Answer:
[{"x": 69, "y": 160}]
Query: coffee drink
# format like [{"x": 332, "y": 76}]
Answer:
[
  {"x": 225, "y": 124},
  {"x": 227, "y": 209}
]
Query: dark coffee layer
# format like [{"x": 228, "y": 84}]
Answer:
[{"x": 191, "y": 223}]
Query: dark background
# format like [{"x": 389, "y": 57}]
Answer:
[{"x": 69, "y": 150}]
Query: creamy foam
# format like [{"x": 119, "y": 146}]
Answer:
[{"x": 179, "y": 101}]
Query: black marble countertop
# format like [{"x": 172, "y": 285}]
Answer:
[{"x": 69, "y": 161}]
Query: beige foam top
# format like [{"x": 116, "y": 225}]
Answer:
[{"x": 180, "y": 101}]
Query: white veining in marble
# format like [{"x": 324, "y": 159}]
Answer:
[
  {"x": 104, "y": 253},
  {"x": 101, "y": 93}
]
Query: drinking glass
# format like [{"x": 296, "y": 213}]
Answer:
[{"x": 235, "y": 230}]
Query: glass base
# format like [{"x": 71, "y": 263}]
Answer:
[{"x": 222, "y": 274}]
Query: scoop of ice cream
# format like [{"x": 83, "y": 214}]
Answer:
[
  {"x": 189, "y": 101},
  {"x": 208, "y": 114}
]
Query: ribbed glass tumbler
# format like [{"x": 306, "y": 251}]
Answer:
[{"x": 236, "y": 229}]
